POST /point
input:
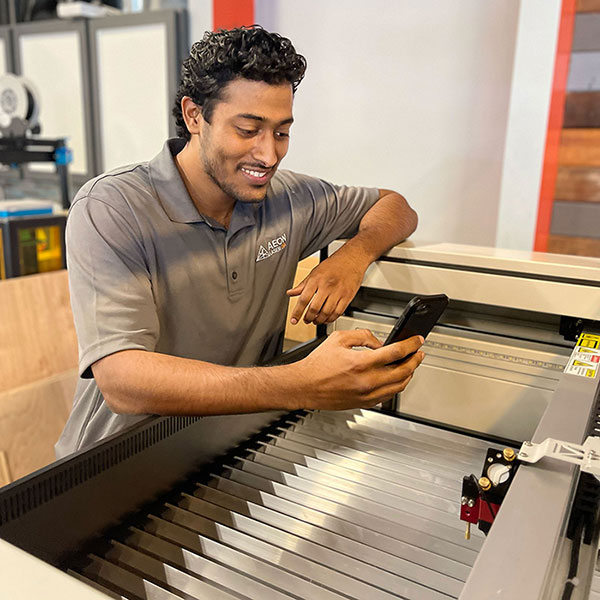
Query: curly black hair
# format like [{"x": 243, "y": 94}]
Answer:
[{"x": 220, "y": 57}]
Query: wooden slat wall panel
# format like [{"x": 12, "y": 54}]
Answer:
[
  {"x": 583, "y": 72},
  {"x": 36, "y": 329},
  {"x": 579, "y": 147},
  {"x": 578, "y": 177},
  {"x": 588, "y": 6},
  {"x": 586, "y": 34},
  {"x": 562, "y": 244},
  {"x": 578, "y": 184},
  {"x": 582, "y": 109},
  {"x": 31, "y": 420}
]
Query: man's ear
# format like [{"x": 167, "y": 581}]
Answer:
[{"x": 192, "y": 115}]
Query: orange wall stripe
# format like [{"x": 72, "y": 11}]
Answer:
[
  {"x": 555, "y": 122},
  {"x": 232, "y": 13}
]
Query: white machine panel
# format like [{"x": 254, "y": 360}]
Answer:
[
  {"x": 496, "y": 290},
  {"x": 540, "y": 264},
  {"x": 499, "y": 386},
  {"x": 26, "y": 576},
  {"x": 555, "y": 284}
]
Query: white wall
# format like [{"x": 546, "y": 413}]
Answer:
[
  {"x": 200, "y": 18},
  {"x": 407, "y": 95},
  {"x": 446, "y": 102},
  {"x": 3, "y": 68}
]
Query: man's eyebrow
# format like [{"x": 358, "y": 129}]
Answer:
[{"x": 262, "y": 119}]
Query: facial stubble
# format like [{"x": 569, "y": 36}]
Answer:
[{"x": 211, "y": 162}]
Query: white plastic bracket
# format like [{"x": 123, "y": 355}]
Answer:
[{"x": 587, "y": 456}]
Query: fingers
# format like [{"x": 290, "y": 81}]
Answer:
[
  {"x": 389, "y": 391},
  {"x": 395, "y": 380},
  {"x": 393, "y": 373},
  {"x": 355, "y": 337},
  {"x": 308, "y": 291},
  {"x": 329, "y": 312},
  {"x": 338, "y": 311},
  {"x": 296, "y": 291},
  {"x": 315, "y": 307},
  {"x": 321, "y": 307},
  {"x": 326, "y": 313},
  {"x": 398, "y": 351},
  {"x": 391, "y": 379},
  {"x": 384, "y": 393},
  {"x": 321, "y": 298}
]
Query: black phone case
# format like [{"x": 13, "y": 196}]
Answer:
[{"x": 418, "y": 318}]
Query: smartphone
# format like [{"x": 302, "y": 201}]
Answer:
[{"x": 418, "y": 318}]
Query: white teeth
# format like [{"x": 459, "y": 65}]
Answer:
[{"x": 254, "y": 173}]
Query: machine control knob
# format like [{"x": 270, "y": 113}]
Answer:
[
  {"x": 485, "y": 484},
  {"x": 509, "y": 454}
]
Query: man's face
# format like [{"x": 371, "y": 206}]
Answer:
[{"x": 247, "y": 137}]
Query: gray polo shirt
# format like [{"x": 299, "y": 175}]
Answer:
[{"x": 147, "y": 271}]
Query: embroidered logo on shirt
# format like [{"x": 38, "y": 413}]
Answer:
[{"x": 273, "y": 247}]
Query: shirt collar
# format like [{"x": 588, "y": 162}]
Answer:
[
  {"x": 169, "y": 186},
  {"x": 173, "y": 194}
]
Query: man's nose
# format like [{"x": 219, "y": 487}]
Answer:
[{"x": 265, "y": 151}]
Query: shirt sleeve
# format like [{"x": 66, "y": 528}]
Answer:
[
  {"x": 111, "y": 292},
  {"x": 333, "y": 211}
]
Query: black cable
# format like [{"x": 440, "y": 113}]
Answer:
[{"x": 574, "y": 562}]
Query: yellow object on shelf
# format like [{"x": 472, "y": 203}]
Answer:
[
  {"x": 40, "y": 249},
  {"x": 32, "y": 244}
]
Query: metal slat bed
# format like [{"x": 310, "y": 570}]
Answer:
[{"x": 322, "y": 509}]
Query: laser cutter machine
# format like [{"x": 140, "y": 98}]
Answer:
[{"x": 363, "y": 504}]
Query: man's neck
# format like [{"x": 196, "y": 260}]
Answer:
[{"x": 207, "y": 197}]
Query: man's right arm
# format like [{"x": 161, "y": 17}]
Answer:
[{"x": 332, "y": 377}]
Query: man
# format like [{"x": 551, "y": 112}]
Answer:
[{"x": 179, "y": 267}]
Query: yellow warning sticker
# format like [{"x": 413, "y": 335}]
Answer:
[
  {"x": 589, "y": 340},
  {"x": 585, "y": 358}
]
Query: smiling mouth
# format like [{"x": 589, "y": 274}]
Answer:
[{"x": 259, "y": 176}]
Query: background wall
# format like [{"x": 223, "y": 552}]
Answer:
[
  {"x": 200, "y": 18},
  {"x": 417, "y": 97}
]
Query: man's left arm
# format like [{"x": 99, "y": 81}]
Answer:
[{"x": 329, "y": 288}]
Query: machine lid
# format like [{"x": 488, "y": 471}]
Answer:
[{"x": 483, "y": 258}]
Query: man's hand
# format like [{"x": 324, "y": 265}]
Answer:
[
  {"x": 333, "y": 376},
  {"x": 328, "y": 289},
  {"x": 341, "y": 377}
]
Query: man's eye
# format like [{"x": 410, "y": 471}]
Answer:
[
  {"x": 282, "y": 134},
  {"x": 246, "y": 132}
]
